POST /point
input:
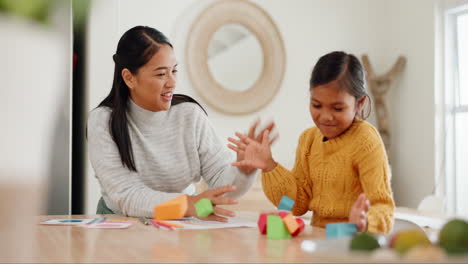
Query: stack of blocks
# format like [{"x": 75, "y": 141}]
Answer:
[
  {"x": 280, "y": 226},
  {"x": 172, "y": 209},
  {"x": 283, "y": 224}
]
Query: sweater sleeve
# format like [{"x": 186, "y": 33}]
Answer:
[
  {"x": 374, "y": 175},
  {"x": 123, "y": 190},
  {"x": 296, "y": 183},
  {"x": 216, "y": 159}
]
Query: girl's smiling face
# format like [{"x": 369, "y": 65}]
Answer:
[{"x": 333, "y": 109}]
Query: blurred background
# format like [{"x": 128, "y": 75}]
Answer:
[{"x": 56, "y": 65}]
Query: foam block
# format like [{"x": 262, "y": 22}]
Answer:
[
  {"x": 301, "y": 224},
  {"x": 262, "y": 223},
  {"x": 290, "y": 223},
  {"x": 337, "y": 230},
  {"x": 286, "y": 203},
  {"x": 282, "y": 214},
  {"x": 276, "y": 228},
  {"x": 172, "y": 209},
  {"x": 204, "y": 207}
]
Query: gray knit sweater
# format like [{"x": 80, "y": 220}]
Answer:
[{"x": 172, "y": 150}]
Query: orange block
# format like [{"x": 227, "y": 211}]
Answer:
[
  {"x": 172, "y": 209},
  {"x": 291, "y": 223}
]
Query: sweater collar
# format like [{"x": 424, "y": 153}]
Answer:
[
  {"x": 145, "y": 119},
  {"x": 332, "y": 145}
]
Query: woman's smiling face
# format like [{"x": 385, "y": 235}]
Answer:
[{"x": 152, "y": 87}]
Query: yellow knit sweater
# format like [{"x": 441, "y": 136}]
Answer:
[{"x": 328, "y": 176}]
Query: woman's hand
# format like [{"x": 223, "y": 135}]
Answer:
[
  {"x": 215, "y": 195},
  {"x": 242, "y": 143},
  {"x": 256, "y": 155},
  {"x": 358, "y": 213}
]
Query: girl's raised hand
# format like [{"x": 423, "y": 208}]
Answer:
[
  {"x": 358, "y": 213},
  {"x": 256, "y": 154},
  {"x": 258, "y": 138},
  {"x": 215, "y": 195},
  {"x": 242, "y": 143}
]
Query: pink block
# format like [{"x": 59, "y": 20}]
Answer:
[
  {"x": 301, "y": 226},
  {"x": 262, "y": 223},
  {"x": 282, "y": 214}
]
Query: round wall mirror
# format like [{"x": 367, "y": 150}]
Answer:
[
  {"x": 227, "y": 50},
  {"x": 235, "y": 56}
]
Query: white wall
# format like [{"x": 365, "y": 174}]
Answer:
[
  {"x": 382, "y": 29},
  {"x": 410, "y": 31}
]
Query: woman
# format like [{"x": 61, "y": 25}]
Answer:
[{"x": 148, "y": 145}]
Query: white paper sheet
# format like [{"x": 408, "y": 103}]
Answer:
[
  {"x": 195, "y": 223},
  {"x": 66, "y": 221}
]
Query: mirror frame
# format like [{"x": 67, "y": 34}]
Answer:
[{"x": 258, "y": 22}]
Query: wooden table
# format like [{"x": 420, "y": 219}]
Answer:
[{"x": 141, "y": 243}]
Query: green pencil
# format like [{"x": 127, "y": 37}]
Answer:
[{"x": 144, "y": 220}]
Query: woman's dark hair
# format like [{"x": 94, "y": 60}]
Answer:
[
  {"x": 347, "y": 70},
  {"x": 135, "y": 48}
]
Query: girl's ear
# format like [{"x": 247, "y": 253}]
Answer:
[
  {"x": 360, "y": 104},
  {"x": 128, "y": 78}
]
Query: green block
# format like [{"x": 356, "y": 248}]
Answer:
[
  {"x": 276, "y": 228},
  {"x": 204, "y": 207}
]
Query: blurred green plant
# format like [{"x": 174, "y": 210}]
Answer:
[
  {"x": 80, "y": 12},
  {"x": 39, "y": 10}
]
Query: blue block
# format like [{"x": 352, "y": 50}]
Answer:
[
  {"x": 286, "y": 203},
  {"x": 338, "y": 230}
]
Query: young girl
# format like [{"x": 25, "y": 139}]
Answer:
[
  {"x": 148, "y": 145},
  {"x": 341, "y": 171}
]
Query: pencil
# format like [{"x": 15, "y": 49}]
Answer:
[
  {"x": 164, "y": 225},
  {"x": 155, "y": 224},
  {"x": 144, "y": 220},
  {"x": 171, "y": 224}
]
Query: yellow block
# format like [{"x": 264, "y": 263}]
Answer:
[{"x": 172, "y": 209}]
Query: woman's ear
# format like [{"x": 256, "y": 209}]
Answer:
[{"x": 128, "y": 78}]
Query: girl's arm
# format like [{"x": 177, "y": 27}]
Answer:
[
  {"x": 295, "y": 184},
  {"x": 374, "y": 174}
]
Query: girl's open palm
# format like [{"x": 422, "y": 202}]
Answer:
[
  {"x": 256, "y": 154},
  {"x": 239, "y": 145},
  {"x": 358, "y": 213}
]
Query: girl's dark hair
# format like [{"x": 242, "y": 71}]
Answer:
[
  {"x": 347, "y": 70},
  {"x": 135, "y": 48}
]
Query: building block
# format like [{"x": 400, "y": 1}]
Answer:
[
  {"x": 204, "y": 207},
  {"x": 172, "y": 209},
  {"x": 286, "y": 203},
  {"x": 338, "y": 230},
  {"x": 301, "y": 224},
  {"x": 276, "y": 228},
  {"x": 282, "y": 214},
  {"x": 290, "y": 223},
  {"x": 262, "y": 223}
]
